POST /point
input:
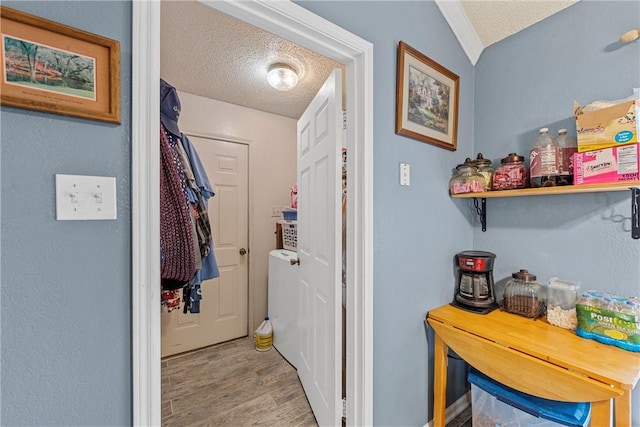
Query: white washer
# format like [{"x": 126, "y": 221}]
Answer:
[{"x": 283, "y": 303}]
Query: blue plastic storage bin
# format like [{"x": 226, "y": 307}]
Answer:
[
  {"x": 290, "y": 214},
  {"x": 495, "y": 404}
]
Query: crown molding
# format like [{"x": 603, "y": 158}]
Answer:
[{"x": 457, "y": 19}]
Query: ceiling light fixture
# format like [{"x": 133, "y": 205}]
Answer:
[
  {"x": 282, "y": 77},
  {"x": 630, "y": 36}
]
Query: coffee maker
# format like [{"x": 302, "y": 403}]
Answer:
[{"x": 474, "y": 282}]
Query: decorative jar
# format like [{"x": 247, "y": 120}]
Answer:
[
  {"x": 486, "y": 170},
  {"x": 466, "y": 179},
  {"x": 512, "y": 173},
  {"x": 524, "y": 296}
]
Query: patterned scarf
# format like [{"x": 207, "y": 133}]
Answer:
[{"x": 177, "y": 259}]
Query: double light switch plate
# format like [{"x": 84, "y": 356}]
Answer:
[{"x": 81, "y": 197}]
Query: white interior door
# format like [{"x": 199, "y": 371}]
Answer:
[
  {"x": 319, "y": 251},
  {"x": 223, "y": 309}
]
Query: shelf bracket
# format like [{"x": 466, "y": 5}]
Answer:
[
  {"x": 481, "y": 211},
  {"x": 635, "y": 213}
]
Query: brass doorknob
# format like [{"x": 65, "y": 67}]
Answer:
[{"x": 242, "y": 251}]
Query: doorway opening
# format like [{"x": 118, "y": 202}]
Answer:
[
  {"x": 306, "y": 29},
  {"x": 221, "y": 314}
]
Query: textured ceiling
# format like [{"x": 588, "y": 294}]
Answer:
[
  {"x": 208, "y": 53},
  {"x": 494, "y": 20}
]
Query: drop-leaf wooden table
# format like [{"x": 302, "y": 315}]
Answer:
[{"x": 537, "y": 358}]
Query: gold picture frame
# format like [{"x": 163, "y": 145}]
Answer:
[
  {"x": 426, "y": 99},
  {"x": 54, "y": 68}
]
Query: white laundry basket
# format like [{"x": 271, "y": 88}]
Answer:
[{"x": 289, "y": 234}]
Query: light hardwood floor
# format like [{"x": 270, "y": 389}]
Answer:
[{"x": 232, "y": 384}]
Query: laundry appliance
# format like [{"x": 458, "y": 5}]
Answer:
[{"x": 284, "y": 273}]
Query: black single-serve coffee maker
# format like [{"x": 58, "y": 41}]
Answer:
[{"x": 474, "y": 282}]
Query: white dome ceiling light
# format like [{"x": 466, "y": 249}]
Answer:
[
  {"x": 282, "y": 76},
  {"x": 630, "y": 36}
]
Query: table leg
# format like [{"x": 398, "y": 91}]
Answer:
[
  {"x": 439, "y": 382},
  {"x": 601, "y": 413},
  {"x": 623, "y": 409}
]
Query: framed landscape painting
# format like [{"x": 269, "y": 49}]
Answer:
[
  {"x": 51, "y": 67},
  {"x": 426, "y": 99}
]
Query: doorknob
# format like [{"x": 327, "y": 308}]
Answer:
[
  {"x": 294, "y": 261},
  {"x": 242, "y": 251}
]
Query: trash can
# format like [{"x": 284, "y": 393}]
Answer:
[{"x": 495, "y": 404}]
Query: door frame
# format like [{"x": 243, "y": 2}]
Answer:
[{"x": 300, "y": 26}]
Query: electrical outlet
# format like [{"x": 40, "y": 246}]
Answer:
[{"x": 276, "y": 212}]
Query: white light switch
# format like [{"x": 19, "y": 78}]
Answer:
[
  {"x": 405, "y": 174},
  {"x": 81, "y": 197}
]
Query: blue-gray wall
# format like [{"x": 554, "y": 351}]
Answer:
[
  {"x": 417, "y": 229},
  {"x": 529, "y": 81},
  {"x": 66, "y": 353},
  {"x": 66, "y": 328}
]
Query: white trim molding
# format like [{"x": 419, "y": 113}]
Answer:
[
  {"x": 300, "y": 26},
  {"x": 459, "y": 22},
  {"x": 145, "y": 212}
]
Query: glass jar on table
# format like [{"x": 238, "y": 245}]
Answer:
[{"x": 523, "y": 295}]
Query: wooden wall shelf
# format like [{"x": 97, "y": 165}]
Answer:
[
  {"x": 547, "y": 191},
  {"x": 634, "y": 186}
]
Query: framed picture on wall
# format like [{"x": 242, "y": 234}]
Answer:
[
  {"x": 426, "y": 99},
  {"x": 51, "y": 67}
]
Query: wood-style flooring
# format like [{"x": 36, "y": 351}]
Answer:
[
  {"x": 232, "y": 384},
  {"x": 463, "y": 419}
]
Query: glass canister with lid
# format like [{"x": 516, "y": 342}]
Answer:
[
  {"x": 512, "y": 173},
  {"x": 466, "y": 179},
  {"x": 523, "y": 295},
  {"x": 486, "y": 170}
]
